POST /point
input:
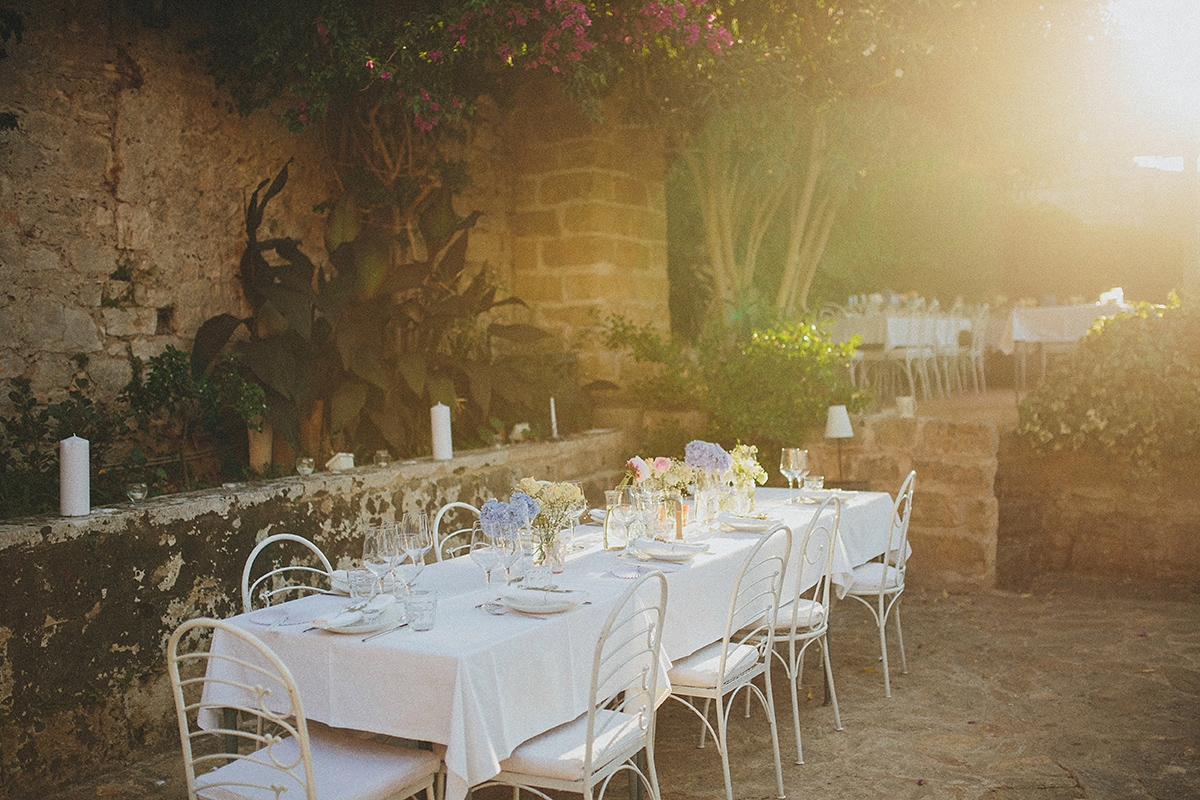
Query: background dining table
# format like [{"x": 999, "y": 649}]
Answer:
[{"x": 479, "y": 684}]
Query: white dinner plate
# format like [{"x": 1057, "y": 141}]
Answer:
[
  {"x": 751, "y": 524},
  {"x": 539, "y": 601},
  {"x": 666, "y": 551},
  {"x": 390, "y": 616}
]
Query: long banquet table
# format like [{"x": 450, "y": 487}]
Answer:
[{"x": 479, "y": 684}]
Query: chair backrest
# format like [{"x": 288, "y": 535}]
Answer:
[
  {"x": 456, "y": 540},
  {"x": 283, "y": 579},
  {"x": 979, "y": 326},
  {"x": 754, "y": 603},
  {"x": 897, "y": 539},
  {"x": 817, "y": 546},
  {"x": 625, "y": 667},
  {"x": 271, "y": 734}
]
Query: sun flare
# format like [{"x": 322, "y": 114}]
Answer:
[{"x": 1163, "y": 39}]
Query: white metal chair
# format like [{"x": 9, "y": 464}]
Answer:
[
  {"x": 584, "y": 755},
  {"x": 975, "y": 351},
  {"x": 281, "y": 579},
  {"x": 878, "y": 585},
  {"x": 456, "y": 541},
  {"x": 718, "y": 671},
  {"x": 277, "y": 755},
  {"x": 805, "y": 618}
]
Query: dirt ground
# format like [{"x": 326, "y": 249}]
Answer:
[{"x": 1073, "y": 689}]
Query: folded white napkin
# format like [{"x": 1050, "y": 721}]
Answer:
[
  {"x": 597, "y": 515},
  {"x": 352, "y": 615}
]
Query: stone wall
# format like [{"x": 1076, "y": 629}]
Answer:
[
  {"x": 1092, "y": 515},
  {"x": 87, "y": 603},
  {"x": 955, "y": 517},
  {"x": 122, "y": 193},
  {"x": 122, "y": 198},
  {"x": 589, "y": 221}
]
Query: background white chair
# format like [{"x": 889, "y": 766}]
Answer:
[
  {"x": 456, "y": 540},
  {"x": 804, "y": 619},
  {"x": 717, "y": 672},
  {"x": 975, "y": 350},
  {"x": 878, "y": 585},
  {"x": 585, "y": 754},
  {"x": 288, "y": 578},
  {"x": 276, "y": 750}
]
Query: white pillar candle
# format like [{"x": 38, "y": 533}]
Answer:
[
  {"x": 553, "y": 420},
  {"x": 75, "y": 497},
  {"x": 443, "y": 443}
]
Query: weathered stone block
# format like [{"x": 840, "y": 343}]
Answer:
[
  {"x": 535, "y": 223},
  {"x": 129, "y": 321},
  {"x": 942, "y": 436},
  {"x": 577, "y": 250},
  {"x": 42, "y": 258},
  {"x": 894, "y": 433},
  {"x": 969, "y": 478},
  {"x": 934, "y": 509},
  {"x": 80, "y": 333}
]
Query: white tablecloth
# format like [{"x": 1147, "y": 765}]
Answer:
[
  {"x": 1053, "y": 324},
  {"x": 899, "y": 330},
  {"x": 479, "y": 684}
]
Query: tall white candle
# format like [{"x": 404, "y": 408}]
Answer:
[
  {"x": 553, "y": 420},
  {"x": 443, "y": 442},
  {"x": 75, "y": 496}
]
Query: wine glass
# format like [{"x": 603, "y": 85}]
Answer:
[
  {"x": 379, "y": 550},
  {"x": 791, "y": 461},
  {"x": 415, "y": 536},
  {"x": 620, "y": 508},
  {"x": 483, "y": 550},
  {"x": 508, "y": 552}
]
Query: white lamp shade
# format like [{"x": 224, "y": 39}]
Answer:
[{"x": 837, "y": 424}]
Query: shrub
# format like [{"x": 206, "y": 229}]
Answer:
[
  {"x": 1131, "y": 390},
  {"x": 766, "y": 386}
]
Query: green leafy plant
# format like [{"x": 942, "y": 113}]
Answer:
[
  {"x": 762, "y": 384},
  {"x": 354, "y": 361},
  {"x": 1129, "y": 391},
  {"x": 172, "y": 400},
  {"x": 29, "y": 477}
]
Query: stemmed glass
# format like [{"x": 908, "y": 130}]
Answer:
[
  {"x": 380, "y": 551},
  {"x": 483, "y": 550},
  {"x": 793, "y": 464},
  {"x": 509, "y": 551},
  {"x": 620, "y": 506}
]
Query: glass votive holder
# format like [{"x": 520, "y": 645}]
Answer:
[
  {"x": 363, "y": 585},
  {"x": 420, "y": 608},
  {"x": 136, "y": 492},
  {"x": 814, "y": 482},
  {"x": 305, "y": 465},
  {"x": 383, "y": 457}
]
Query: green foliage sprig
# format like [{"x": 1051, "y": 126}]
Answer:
[
  {"x": 1131, "y": 390},
  {"x": 764, "y": 385}
]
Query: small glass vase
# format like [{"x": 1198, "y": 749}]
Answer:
[{"x": 551, "y": 549}]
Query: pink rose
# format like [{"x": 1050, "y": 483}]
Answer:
[{"x": 661, "y": 464}]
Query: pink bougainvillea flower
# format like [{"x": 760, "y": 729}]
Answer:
[
  {"x": 370, "y": 63},
  {"x": 385, "y": 75}
]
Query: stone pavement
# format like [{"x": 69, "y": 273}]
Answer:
[{"x": 1072, "y": 689}]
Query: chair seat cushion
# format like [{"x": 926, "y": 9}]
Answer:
[
  {"x": 700, "y": 669},
  {"x": 345, "y": 767},
  {"x": 559, "y": 752},
  {"x": 807, "y": 614},
  {"x": 870, "y": 577}
]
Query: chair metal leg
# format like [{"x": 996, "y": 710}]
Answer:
[
  {"x": 881, "y": 621},
  {"x": 832, "y": 690},
  {"x": 900, "y": 639}
]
